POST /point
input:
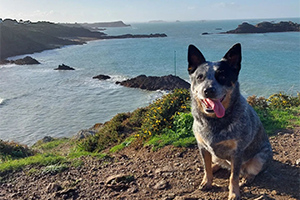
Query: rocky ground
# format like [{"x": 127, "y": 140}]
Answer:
[{"x": 169, "y": 173}]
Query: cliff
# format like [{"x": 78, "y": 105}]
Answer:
[
  {"x": 23, "y": 38},
  {"x": 19, "y": 38}
]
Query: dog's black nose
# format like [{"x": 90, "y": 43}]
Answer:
[{"x": 210, "y": 92}]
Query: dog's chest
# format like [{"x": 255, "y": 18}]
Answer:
[{"x": 217, "y": 144}]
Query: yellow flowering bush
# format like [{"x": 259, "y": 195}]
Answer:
[
  {"x": 281, "y": 100},
  {"x": 162, "y": 112},
  {"x": 276, "y": 101}
]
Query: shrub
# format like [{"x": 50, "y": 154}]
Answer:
[
  {"x": 162, "y": 112},
  {"x": 113, "y": 132},
  {"x": 279, "y": 111},
  {"x": 13, "y": 150},
  {"x": 282, "y": 100}
]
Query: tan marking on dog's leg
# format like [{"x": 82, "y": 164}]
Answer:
[
  {"x": 254, "y": 166},
  {"x": 251, "y": 168},
  {"x": 215, "y": 168},
  {"x": 208, "y": 173},
  {"x": 234, "y": 189},
  {"x": 198, "y": 138}
]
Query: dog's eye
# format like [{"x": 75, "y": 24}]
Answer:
[{"x": 200, "y": 76}]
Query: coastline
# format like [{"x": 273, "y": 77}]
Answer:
[{"x": 19, "y": 38}]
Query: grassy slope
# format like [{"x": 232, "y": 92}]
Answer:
[{"x": 167, "y": 121}]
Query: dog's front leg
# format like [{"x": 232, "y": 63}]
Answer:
[
  {"x": 234, "y": 190},
  {"x": 206, "y": 183}
]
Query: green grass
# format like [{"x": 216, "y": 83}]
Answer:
[
  {"x": 50, "y": 145},
  {"x": 124, "y": 144},
  {"x": 39, "y": 160},
  {"x": 180, "y": 134},
  {"x": 276, "y": 119}
]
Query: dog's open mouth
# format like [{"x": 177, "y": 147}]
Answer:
[{"x": 214, "y": 106}]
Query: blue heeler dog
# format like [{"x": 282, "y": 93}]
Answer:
[{"x": 228, "y": 131}]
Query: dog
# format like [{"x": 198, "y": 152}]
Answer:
[{"x": 228, "y": 131}]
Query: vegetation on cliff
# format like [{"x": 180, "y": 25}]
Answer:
[{"x": 167, "y": 121}]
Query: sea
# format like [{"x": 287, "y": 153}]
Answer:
[{"x": 37, "y": 101}]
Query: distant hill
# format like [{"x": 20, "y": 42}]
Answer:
[
  {"x": 105, "y": 24},
  {"x": 266, "y": 27},
  {"x": 18, "y": 38}
]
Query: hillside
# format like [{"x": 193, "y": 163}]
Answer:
[
  {"x": 150, "y": 153},
  {"x": 17, "y": 38},
  {"x": 23, "y": 38}
]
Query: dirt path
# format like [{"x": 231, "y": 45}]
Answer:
[{"x": 170, "y": 173}]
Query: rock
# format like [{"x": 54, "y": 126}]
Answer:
[
  {"x": 53, "y": 187},
  {"x": 102, "y": 77},
  {"x": 4, "y": 62},
  {"x": 161, "y": 185},
  {"x": 119, "y": 178},
  {"x": 153, "y": 83},
  {"x": 47, "y": 139},
  {"x": 64, "y": 67},
  {"x": 266, "y": 27},
  {"x": 84, "y": 134},
  {"x": 26, "y": 61},
  {"x": 119, "y": 182}
]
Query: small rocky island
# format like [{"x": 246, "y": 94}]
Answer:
[
  {"x": 266, "y": 27},
  {"x": 153, "y": 83},
  {"x": 64, "y": 67},
  {"x": 22, "y": 61}
]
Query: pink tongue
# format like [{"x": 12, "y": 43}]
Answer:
[{"x": 217, "y": 107}]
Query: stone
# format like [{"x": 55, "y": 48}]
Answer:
[
  {"x": 101, "y": 77},
  {"x": 153, "y": 83},
  {"x": 26, "y": 61},
  {"x": 84, "y": 134},
  {"x": 161, "y": 185},
  {"x": 64, "y": 67}
]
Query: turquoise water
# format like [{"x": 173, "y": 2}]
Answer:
[{"x": 36, "y": 101}]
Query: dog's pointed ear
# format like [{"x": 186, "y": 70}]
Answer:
[
  {"x": 195, "y": 58},
  {"x": 234, "y": 57}
]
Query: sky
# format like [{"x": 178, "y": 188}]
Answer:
[{"x": 71, "y": 11}]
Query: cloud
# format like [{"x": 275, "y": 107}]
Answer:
[{"x": 226, "y": 5}]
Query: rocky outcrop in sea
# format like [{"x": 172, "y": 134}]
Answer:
[
  {"x": 153, "y": 83},
  {"x": 266, "y": 27},
  {"x": 64, "y": 67},
  {"x": 22, "y": 61}
]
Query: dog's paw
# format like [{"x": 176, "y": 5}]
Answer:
[
  {"x": 233, "y": 196},
  {"x": 247, "y": 180},
  {"x": 205, "y": 185}
]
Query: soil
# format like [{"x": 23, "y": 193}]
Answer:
[{"x": 169, "y": 173}]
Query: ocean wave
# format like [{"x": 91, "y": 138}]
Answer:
[
  {"x": 2, "y": 101},
  {"x": 8, "y": 66}
]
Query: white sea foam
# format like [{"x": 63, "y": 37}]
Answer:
[{"x": 2, "y": 101}]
